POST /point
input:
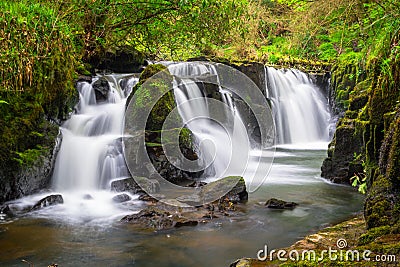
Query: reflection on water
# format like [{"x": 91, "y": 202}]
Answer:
[{"x": 294, "y": 177}]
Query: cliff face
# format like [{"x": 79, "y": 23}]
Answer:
[
  {"x": 366, "y": 143},
  {"x": 20, "y": 180}
]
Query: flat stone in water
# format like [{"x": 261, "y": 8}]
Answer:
[
  {"x": 121, "y": 198},
  {"x": 274, "y": 203}
]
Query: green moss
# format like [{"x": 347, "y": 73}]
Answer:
[
  {"x": 150, "y": 71},
  {"x": 393, "y": 164},
  {"x": 153, "y": 92},
  {"x": 379, "y": 205},
  {"x": 150, "y": 144},
  {"x": 186, "y": 138},
  {"x": 37, "y": 69},
  {"x": 351, "y": 114},
  {"x": 373, "y": 233}
]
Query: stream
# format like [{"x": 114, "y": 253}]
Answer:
[{"x": 85, "y": 230}]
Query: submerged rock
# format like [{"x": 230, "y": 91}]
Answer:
[
  {"x": 121, "y": 198},
  {"x": 48, "y": 201},
  {"x": 274, "y": 203}
]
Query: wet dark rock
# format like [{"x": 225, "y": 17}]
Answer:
[
  {"x": 256, "y": 72},
  {"x": 197, "y": 184},
  {"x": 185, "y": 222},
  {"x": 123, "y": 60},
  {"x": 148, "y": 198},
  {"x": 274, "y": 203},
  {"x": 101, "y": 89},
  {"x": 339, "y": 166},
  {"x": 131, "y": 185},
  {"x": 226, "y": 191},
  {"x": 83, "y": 78},
  {"x": 238, "y": 193},
  {"x": 249, "y": 119},
  {"x": 48, "y": 201},
  {"x": 153, "y": 217},
  {"x": 212, "y": 91},
  {"x": 188, "y": 210},
  {"x": 231, "y": 188},
  {"x": 126, "y": 184},
  {"x": 5, "y": 209},
  {"x": 21, "y": 180},
  {"x": 167, "y": 169},
  {"x": 193, "y": 200},
  {"x": 127, "y": 84},
  {"x": 121, "y": 198}
]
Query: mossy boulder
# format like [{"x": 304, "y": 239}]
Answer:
[
  {"x": 231, "y": 189},
  {"x": 154, "y": 93}
]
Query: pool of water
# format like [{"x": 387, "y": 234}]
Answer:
[{"x": 294, "y": 177}]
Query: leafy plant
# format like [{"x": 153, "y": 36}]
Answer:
[{"x": 360, "y": 181}]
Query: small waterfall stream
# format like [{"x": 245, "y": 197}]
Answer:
[
  {"x": 222, "y": 145},
  {"x": 300, "y": 110},
  {"x": 91, "y": 154}
]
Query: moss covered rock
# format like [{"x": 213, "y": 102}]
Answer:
[
  {"x": 370, "y": 129},
  {"x": 154, "y": 93}
]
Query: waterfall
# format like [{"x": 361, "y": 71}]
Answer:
[
  {"x": 300, "y": 110},
  {"x": 91, "y": 153},
  {"x": 222, "y": 144}
]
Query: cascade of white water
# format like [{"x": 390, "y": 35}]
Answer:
[
  {"x": 90, "y": 154},
  {"x": 300, "y": 110},
  {"x": 221, "y": 146}
]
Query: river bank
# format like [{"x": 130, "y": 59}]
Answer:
[{"x": 348, "y": 237}]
